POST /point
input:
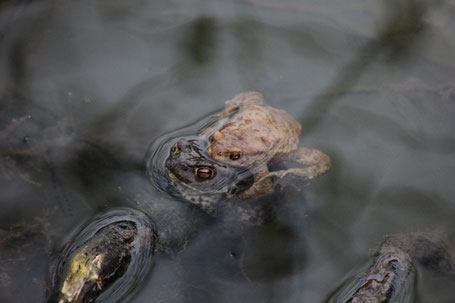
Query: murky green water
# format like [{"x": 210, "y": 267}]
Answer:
[{"x": 372, "y": 82}]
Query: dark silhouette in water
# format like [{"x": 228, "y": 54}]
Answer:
[
  {"x": 388, "y": 276},
  {"x": 106, "y": 260}
]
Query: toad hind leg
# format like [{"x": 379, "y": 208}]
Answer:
[
  {"x": 315, "y": 164},
  {"x": 265, "y": 185},
  {"x": 314, "y": 161}
]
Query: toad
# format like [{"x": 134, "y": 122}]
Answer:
[{"x": 261, "y": 137}]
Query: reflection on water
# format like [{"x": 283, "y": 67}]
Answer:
[{"x": 85, "y": 87}]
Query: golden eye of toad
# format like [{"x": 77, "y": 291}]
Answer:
[{"x": 204, "y": 172}]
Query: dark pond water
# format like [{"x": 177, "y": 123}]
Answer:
[{"x": 85, "y": 86}]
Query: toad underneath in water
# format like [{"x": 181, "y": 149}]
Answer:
[
  {"x": 197, "y": 178},
  {"x": 257, "y": 136}
]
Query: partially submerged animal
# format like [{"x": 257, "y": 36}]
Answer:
[
  {"x": 233, "y": 156},
  {"x": 106, "y": 260},
  {"x": 258, "y": 137},
  {"x": 389, "y": 274}
]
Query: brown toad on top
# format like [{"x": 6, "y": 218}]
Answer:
[{"x": 258, "y": 136}]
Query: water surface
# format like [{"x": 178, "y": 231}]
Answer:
[{"x": 371, "y": 82}]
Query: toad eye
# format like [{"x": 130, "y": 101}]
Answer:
[
  {"x": 235, "y": 155},
  {"x": 204, "y": 173},
  {"x": 211, "y": 139},
  {"x": 175, "y": 148}
]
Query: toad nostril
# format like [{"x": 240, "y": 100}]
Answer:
[{"x": 182, "y": 144}]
